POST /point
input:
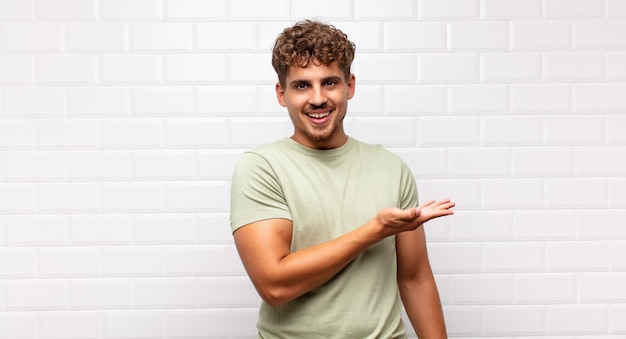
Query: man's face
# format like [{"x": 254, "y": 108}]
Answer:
[{"x": 317, "y": 97}]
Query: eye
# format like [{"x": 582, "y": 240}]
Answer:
[
  {"x": 330, "y": 83},
  {"x": 301, "y": 85}
]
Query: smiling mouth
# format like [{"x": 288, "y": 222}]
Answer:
[{"x": 318, "y": 115}]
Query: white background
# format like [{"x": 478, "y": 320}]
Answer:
[{"x": 121, "y": 121}]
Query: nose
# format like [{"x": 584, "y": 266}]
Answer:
[{"x": 317, "y": 96}]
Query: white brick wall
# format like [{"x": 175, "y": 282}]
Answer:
[{"x": 121, "y": 121}]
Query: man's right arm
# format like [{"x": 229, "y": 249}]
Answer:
[{"x": 280, "y": 275}]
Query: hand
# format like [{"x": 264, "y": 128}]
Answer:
[{"x": 394, "y": 220}]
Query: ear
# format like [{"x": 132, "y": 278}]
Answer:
[
  {"x": 351, "y": 86},
  {"x": 280, "y": 95}
]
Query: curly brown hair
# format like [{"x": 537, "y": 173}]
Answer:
[{"x": 311, "y": 41}]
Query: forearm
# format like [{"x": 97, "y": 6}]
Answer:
[{"x": 423, "y": 307}]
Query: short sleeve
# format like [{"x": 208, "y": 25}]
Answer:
[
  {"x": 408, "y": 187},
  {"x": 256, "y": 192}
]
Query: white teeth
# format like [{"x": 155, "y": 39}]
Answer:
[{"x": 318, "y": 115}]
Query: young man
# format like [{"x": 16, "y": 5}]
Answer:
[{"x": 329, "y": 228}]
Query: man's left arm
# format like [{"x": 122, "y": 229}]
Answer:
[{"x": 417, "y": 285}]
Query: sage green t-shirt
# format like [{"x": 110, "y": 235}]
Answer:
[{"x": 327, "y": 193}]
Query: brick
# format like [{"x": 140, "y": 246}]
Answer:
[
  {"x": 67, "y": 134},
  {"x": 512, "y": 130},
  {"x": 245, "y": 131},
  {"x": 196, "y": 9},
  {"x": 99, "y": 165},
  {"x": 368, "y": 9},
  {"x": 425, "y": 163},
  {"x": 66, "y": 9},
  {"x": 477, "y": 163},
  {"x": 616, "y": 66},
  {"x": 203, "y": 68},
  {"x": 204, "y": 260},
  {"x": 130, "y": 9},
  {"x": 33, "y": 37},
  {"x": 214, "y": 228},
  {"x": 134, "y": 324},
  {"x": 100, "y": 229},
  {"x": 241, "y": 36},
  {"x": 162, "y": 36},
  {"x": 11, "y": 10},
  {"x": 464, "y": 320},
  {"x": 234, "y": 262},
  {"x": 196, "y": 132},
  {"x": 136, "y": 261},
  {"x": 512, "y": 9},
  {"x": 67, "y": 197},
  {"x": 448, "y": 68},
  {"x": 481, "y": 226},
  {"x": 135, "y": 69},
  {"x": 250, "y": 68},
  {"x": 541, "y": 162},
  {"x": 16, "y": 70},
  {"x": 617, "y": 192},
  {"x": 468, "y": 289},
  {"x": 34, "y": 102},
  {"x": 368, "y": 101},
  {"x": 200, "y": 323},
  {"x": 17, "y": 263},
  {"x": 391, "y": 132},
  {"x": 383, "y": 68},
  {"x": 449, "y": 9},
  {"x": 617, "y": 255},
  {"x": 39, "y": 294},
  {"x": 599, "y": 34},
  {"x": 367, "y": 36},
  {"x": 98, "y": 101},
  {"x": 164, "y": 229},
  {"x": 165, "y": 292},
  {"x": 131, "y": 133},
  {"x": 18, "y": 324},
  {"x": 541, "y": 35},
  {"x": 514, "y": 257},
  {"x": 65, "y": 69},
  {"x": 600, "y": 224},
  {"x": 162, "y": 100},
  {"x": 601, "y": 287},
  {"x": 514, "y": 320},
  {"x": 227, "y": 292},
  {"x": 541, "y": 98},
  {"x": 599, "y": 98},
  {"x": 577, "y": 319},
  {"x": 34, "y": 166},
  {"x": 16, "y": 134},
  {"x": 506, "y": 67},
  {"x": 478, "y": 36},
  {"x": 544, "y": 225},
  {"x": 198, "y": 196},
  {"x": 596, "y": 161},
  {"x": 226, "y": 100},
  {"x": 92, "y": 37},
  {"x": 216, "y": 164},
  {"x": 35, "y": 230},
  {"x": 132, "y": 197},
  {"x": 557, "y": 66},
  {"x": 250, "y": 9},
  {"x": 616, "y": 314},
  {"x": 154, "y": 165},
  {"x": 101, "y": 293},
  {"x": 555, "y": 288},
  {"x": 415, "y": 36},
  {"x": 577, "y": 9},
  {"x": 465, "y": 193},
  {"x": 615, "y": 124},
  {"x": 331, "y": 9},
  {"x": 574, "y": 130},
  {"x": 616, "y": 9},
  {"x": 478, "y": 99},
  {"x": 68, "y": 325},
  {"x": 68, "y": 262},
  {"x": 457, "y": 258},
  {"x": 590, "y": 193},
  {"x": 269, "y": 106},
  {"x": 578, "y": 256},
  {"x": 17, "y": 198}
]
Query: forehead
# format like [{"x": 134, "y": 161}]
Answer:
[{"x": 314, "y": 71}]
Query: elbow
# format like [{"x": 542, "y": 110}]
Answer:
[{"x": 274, "y": 296}]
